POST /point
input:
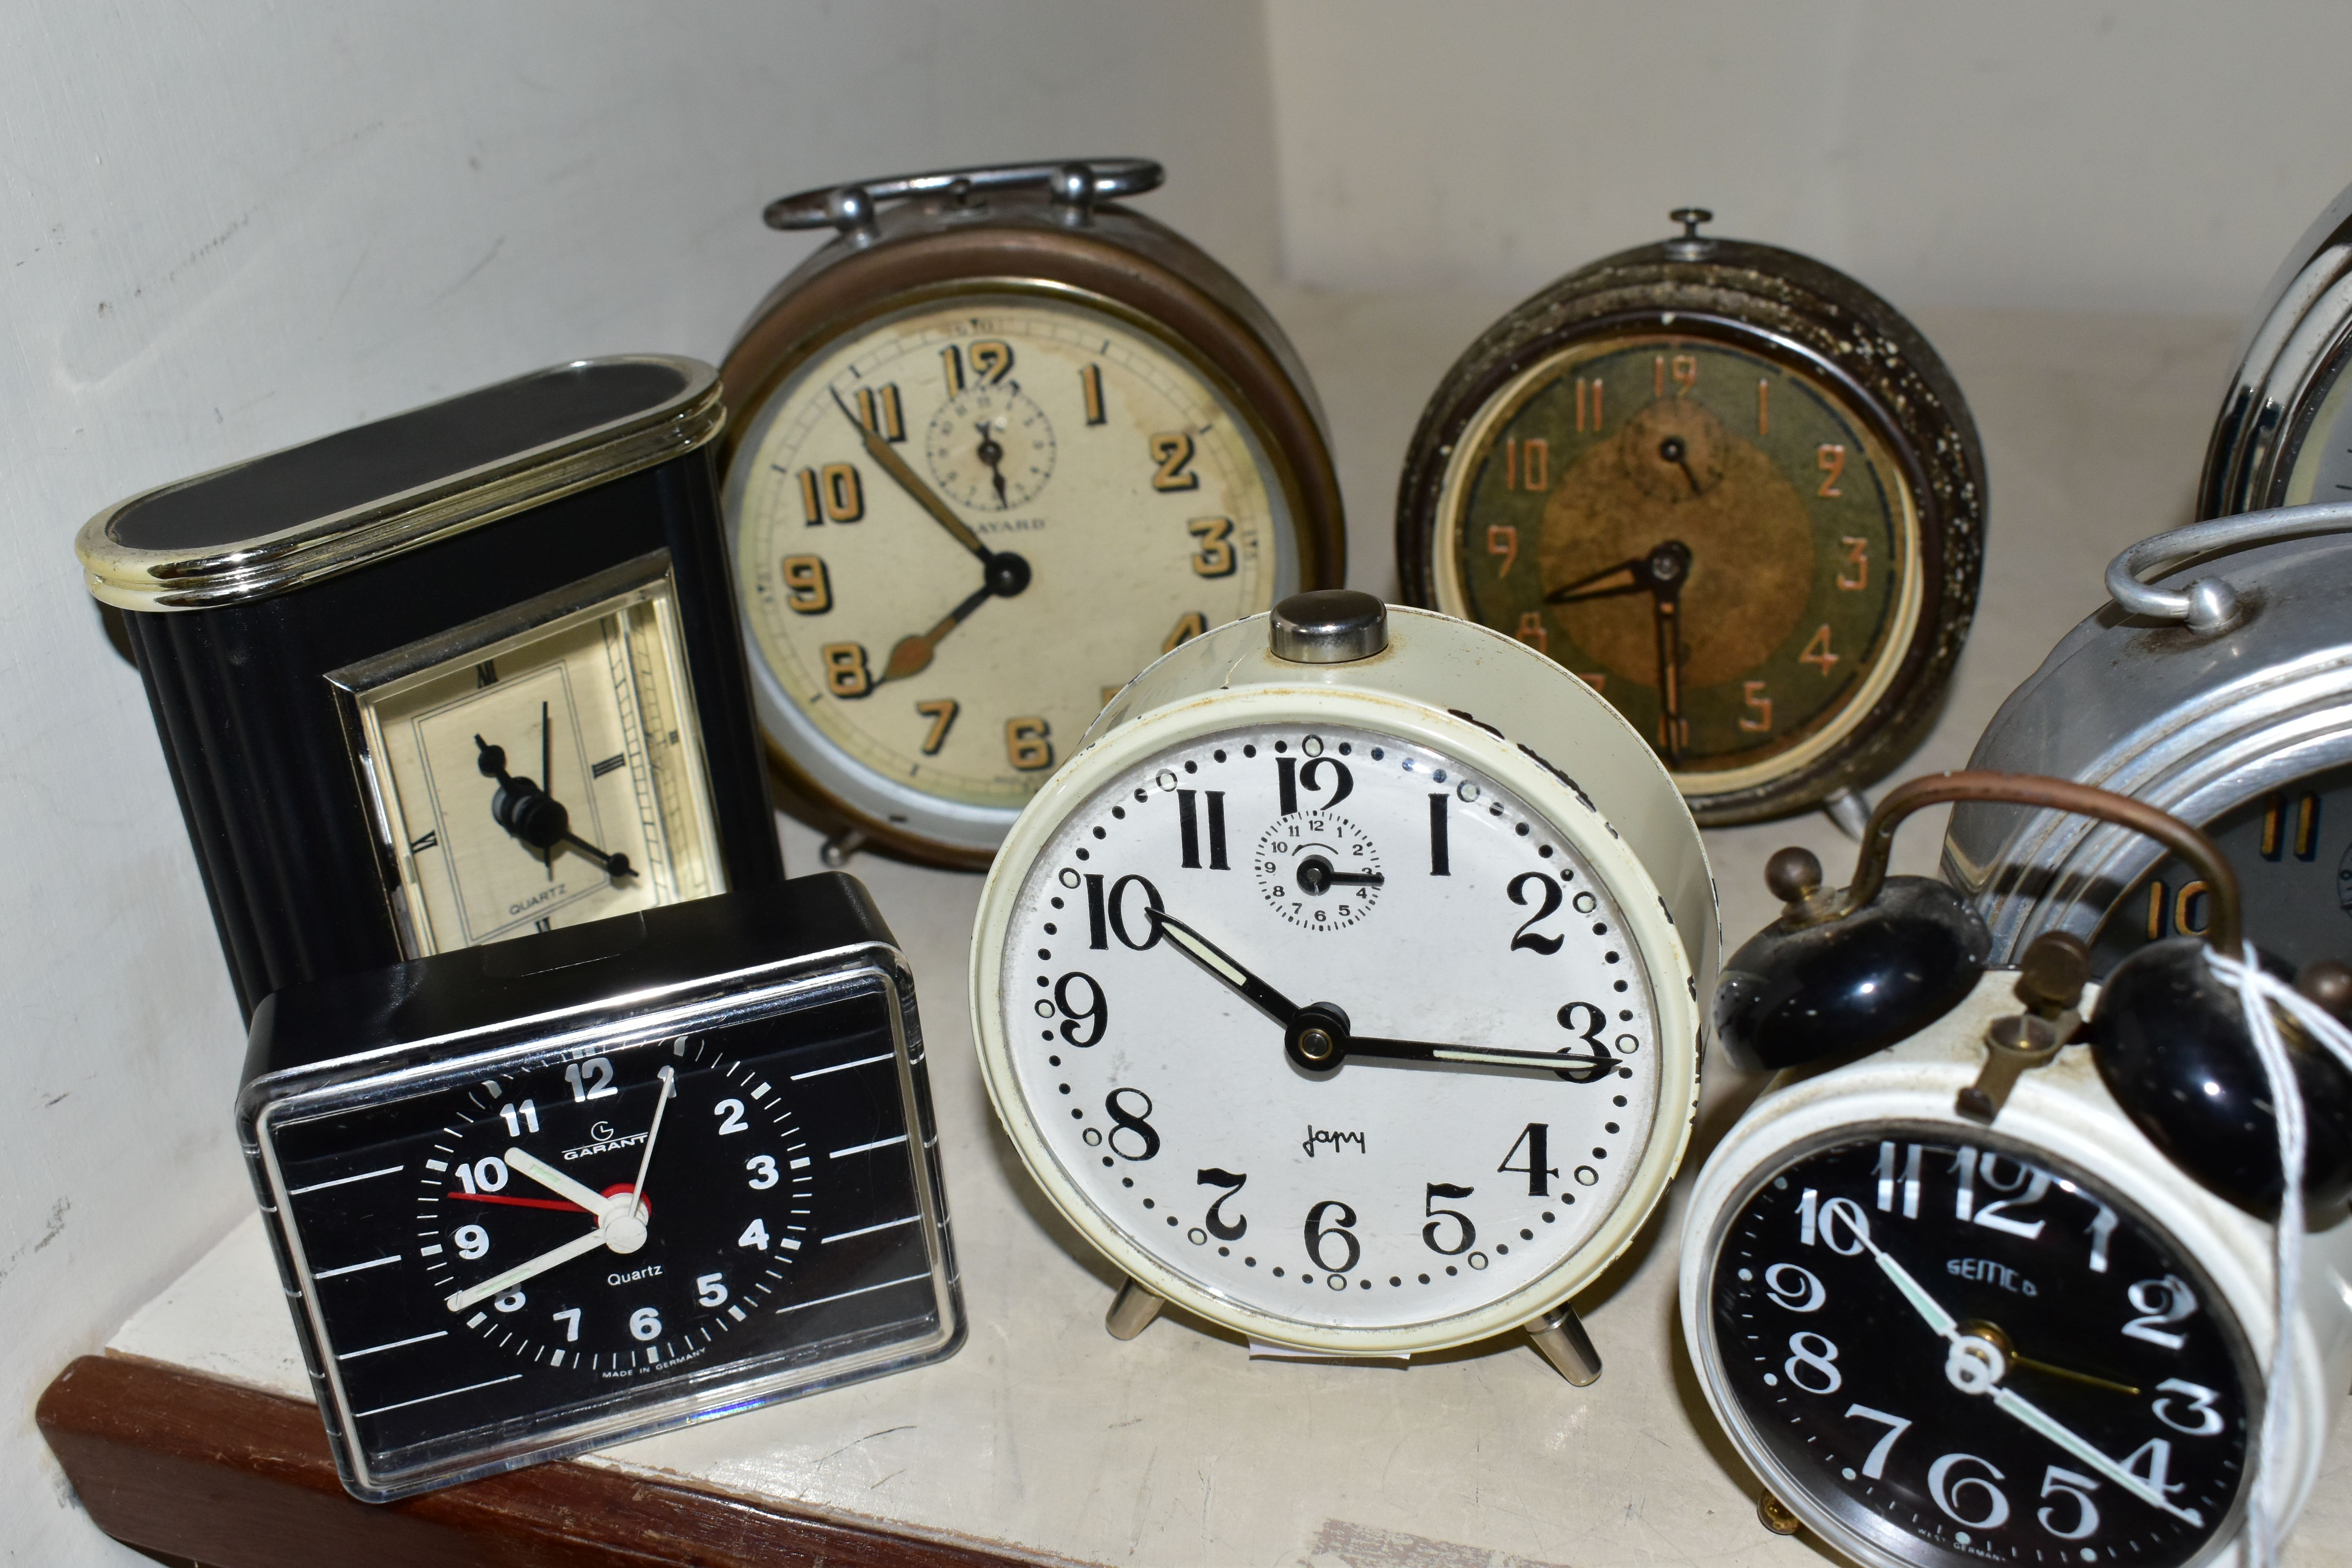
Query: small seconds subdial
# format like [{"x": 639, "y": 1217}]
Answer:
[
  {"x": 991, "y": 449},
  {"x": 1318, "y": 870},
  {"x": 1973, "y": 1357},
  {"x": 617, "y": 1214}
]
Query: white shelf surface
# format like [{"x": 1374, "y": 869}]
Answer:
[{"x": 1046, "y": 1437}]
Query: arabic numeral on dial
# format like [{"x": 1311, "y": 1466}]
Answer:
[
  {"x": 1441, "y": 858},
  {"x": 1136, "y": 1124},
  {"x": 1952, "y": 1494},
  {"x": 1107, "y": 916},
  {"x": 1093, "y": 1013},
  {"x": 2152, "y": 1462},
  {"x": 2102, "y": 1228},
  {"x": 764, "y": 1171},
  {"x": 512, "y": 1301},
  {"x": 1465, "y": 1234},
  {"x": 1874, "y": 1467},
  {"x": 2057, "y": 1482},
  {"x": 2036, "y": 1184},
  {"x": 484, "y": 1175},
  {"x": 1910, "y": 1180},
  {"x": 1534, "y": 1139},
  {"x": 472, "y": 1241},
  {"x": 1531, "y": 940},
  {"x": 521, "y": 1120},
  {"x": 754, "y": 1234},
  {"x": 730, "y": 1117},
  {"x": 2159, "y": 1303},
  {"x": 1318, "y": 1233},
  {"x": 645, "y": 1323},
  {"x": 570, "y": 1318},
  {"x": 1794, "y": 1288},
  {"x": 591, "y": 1079},
  {"x": 2201, "y": 1405},
  {"x": 1819, "y": 1221},
  {"x": 1816, "y": 1353},
  {"x": 1224, "y": 1229},
  {"x": 710, "y": 1289}
]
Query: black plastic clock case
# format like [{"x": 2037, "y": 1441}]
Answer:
[{"x": 248, "y": 721}]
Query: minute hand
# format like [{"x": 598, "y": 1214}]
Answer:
[
  {"x": 896, "y": 467},
  {"x": 1479, "y": 1056}
]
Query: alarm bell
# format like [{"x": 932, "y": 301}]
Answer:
[{"x": 1842, "y": 973}]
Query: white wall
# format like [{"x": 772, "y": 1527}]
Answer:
[
  {"x": 2039, "y": 154},
  {"x": 234, "y": 225}
]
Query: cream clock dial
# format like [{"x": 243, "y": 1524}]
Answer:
[
  {"x": 1345, "y": 1024},
  {"x": 961, "y": 529}
]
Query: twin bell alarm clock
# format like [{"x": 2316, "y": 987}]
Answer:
[
  {"x": 1337, "y": 1013},
  {"x": 1989, "y": 1269}
]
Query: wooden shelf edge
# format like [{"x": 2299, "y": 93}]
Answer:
[{"x": 194, "y": 1466}]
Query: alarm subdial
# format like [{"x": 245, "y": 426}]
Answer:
[
  {"x": 1318, "y": 870},
  {"x": 991, "y": 447},
  {"x": 1672, "y": 450}
]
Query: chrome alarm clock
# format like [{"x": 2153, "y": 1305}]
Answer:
[
  {"x": 2219, "y": 691},
  {"x": 2283, "y": 436},
  {"x": 1732, "y": 489},
  {"x": 1343, "y": 988},
  {"x": 2000, "y": 1286},
  {"x": 995, "y": 448}
]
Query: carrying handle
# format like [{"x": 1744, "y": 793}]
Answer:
[
  {"x": 1817, "y": 906},
  {"x": 2210, "y": 605},
  {"x": 1075, "y": 184}
]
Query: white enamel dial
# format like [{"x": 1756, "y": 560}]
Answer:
[
  {"x": 1443, "y": 911},
  {"x": 1131, "y": 499}
]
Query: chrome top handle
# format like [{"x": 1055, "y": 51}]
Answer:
[
  {"x": 2210, "y": 605},
  {"x": 1075, "y": 183}
]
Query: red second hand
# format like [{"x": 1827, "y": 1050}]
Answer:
[{"x": 519, "y": 1203}]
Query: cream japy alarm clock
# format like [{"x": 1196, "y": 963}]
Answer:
[
  {"x": 1342, "y": 989},
  {"x": 2002, "y": 1287}
]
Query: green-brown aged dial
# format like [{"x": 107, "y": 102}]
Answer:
[{"x": 1730, "y": 487}]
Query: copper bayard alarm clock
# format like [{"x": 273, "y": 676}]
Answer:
[
  {"x": 2001, "y": 1286},
  {"x": 996, "y": 447},
  {"x": 1729, "y": 487}
]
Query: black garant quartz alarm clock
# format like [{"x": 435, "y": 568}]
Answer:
[
  {"x": 543, "y": 1196},
  {"x": 1974, "y": 1293},
  {"x": 466, "y": 673}
]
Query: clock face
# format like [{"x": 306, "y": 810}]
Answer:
[
  {"x": 1963, "y": 1352},
  {"x": 2291, "y": 848},
  {"x": 548, "y": 779},
  {"x": 475, "y": 1259},
  {"x": 1715, "y": 539},
  {"x": 961, "y": 528},
  {"x": 1406, "y": 899}
]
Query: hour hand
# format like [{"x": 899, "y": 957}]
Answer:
[
  {"x": 1209, "y": 956},
  {"x": 556, "y": 1182},
  {"x": 1625, "y": 577}
]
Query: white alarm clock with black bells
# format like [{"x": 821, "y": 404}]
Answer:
[
  {"x": 2004, "y": 1285},
  {"x": 1343, "y": 988}
]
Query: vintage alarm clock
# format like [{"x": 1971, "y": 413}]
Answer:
[
  {"x": 463, "y": 674},
  {"x": 2221, "y": 692},
  {"x": 548, "y": 1195},
  {"x": 1338, "y": 1013},
  {"x": 1728, "y": 486},
  {"x": 996, "y": 446},
  {"x": 2283, "y": 436},
  {"x": 1961, "y": 1290}
]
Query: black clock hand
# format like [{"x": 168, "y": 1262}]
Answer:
[
  {"x": 1317, "y": 1036},
  {"x": 547, "y": 773},
  {"x": 896, "y": 467},
  {"x": 1669, "y": 568},
  {"x": 535, "y": 817},
  {"x": 1316, "y": 874},
  {"x": 992, "y": 454},
  {"x": 1625, "y": 577},
  {"x": 1672, "y": 451}
]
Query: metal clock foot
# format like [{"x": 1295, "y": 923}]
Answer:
[
  {"x": 1775, "y": 1516},
  {"x": 1131, "y": 1310},
  {"x": 1559, "y": 1336},
  {"x": 836, "y": 850},
  {"x": 1850, "y": 810}
]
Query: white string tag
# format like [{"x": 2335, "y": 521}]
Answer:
[{"x": 2258, "y": 993}]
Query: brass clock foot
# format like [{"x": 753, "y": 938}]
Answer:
[
  {"x": 1131, "y": 1310},
  {"x": 1776, "y": 1517},
  {"x": 1850, "y": 811},
  {"x": 1561, "y": 1338},
  {"x": 836, "y": 850}
]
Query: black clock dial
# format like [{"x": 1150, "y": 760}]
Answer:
[
  {"x": 781, "y": 1224},
  {"x": 1968, "y": 1355}
]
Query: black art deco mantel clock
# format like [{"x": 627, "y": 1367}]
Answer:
[
  {"x": 996, "y": 446},
  {"x": 1732, "y": 489},
  {"x": 464, "y": 673}
]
